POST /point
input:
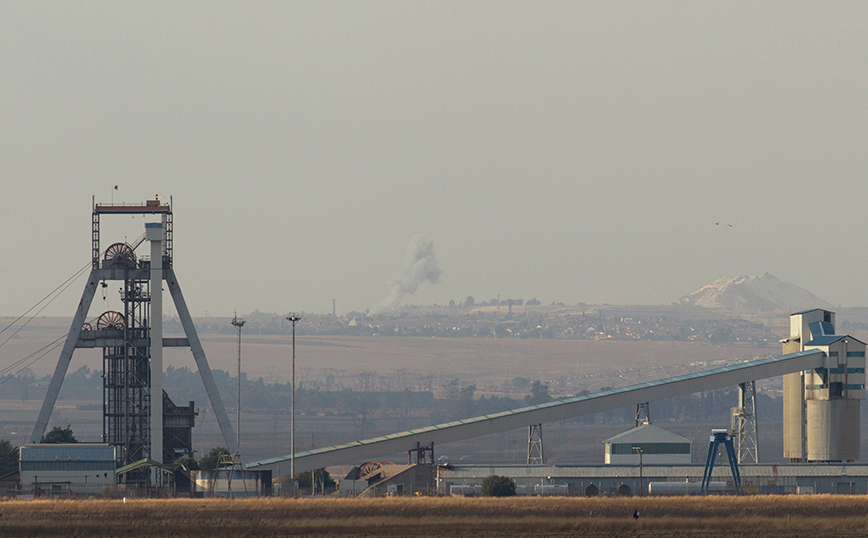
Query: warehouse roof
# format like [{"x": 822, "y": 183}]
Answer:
[
  {"x": 68, "y": 452},
  {"x": 811, "y": 310},
  {"x": 647, "y": 433},
  {"x": 825, "y": 340}
]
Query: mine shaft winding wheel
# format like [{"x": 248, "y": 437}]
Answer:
[
  {"x": 110, "y": 320},
  {"x": 369, "y": 467},
  {"x": 121, "y": 252}
]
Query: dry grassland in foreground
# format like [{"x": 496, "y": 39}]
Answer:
[{"x": 814, "y": 516}]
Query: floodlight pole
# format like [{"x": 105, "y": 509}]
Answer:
[
  {"x": 638, "y": 450},
  {"x": 238, "y": 323},
  {"x": 293, "y": 318}
]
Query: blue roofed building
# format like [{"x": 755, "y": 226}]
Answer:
[{"x": 65, "y": 469}]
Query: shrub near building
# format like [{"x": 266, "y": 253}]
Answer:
[
  {"x": 498, "y": 486},
  {"x": 8, "y": 457}
]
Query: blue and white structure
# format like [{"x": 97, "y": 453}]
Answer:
[
  {"x": 822, "y": 404},
  {"x": 720, "y": 437}
]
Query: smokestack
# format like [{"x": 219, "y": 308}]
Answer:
[{"x": 334, "y": 312}]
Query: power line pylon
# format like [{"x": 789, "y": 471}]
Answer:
[
  {"x": 535, "y": 454},
  {"x": 743, "y": 424}
]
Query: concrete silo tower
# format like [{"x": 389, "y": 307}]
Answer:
[{"x": 822, "y": 406}]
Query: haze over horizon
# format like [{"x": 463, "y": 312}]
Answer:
[{"x": 623, "y": 153}]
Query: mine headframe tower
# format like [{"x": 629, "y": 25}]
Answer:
[
  {"x": 132, "y": 343},
  {"x": 126, "y": 361}
]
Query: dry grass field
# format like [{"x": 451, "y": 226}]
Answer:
[
  {"x": 814, "y": 516},
  {"x": 483, "y": 361}
]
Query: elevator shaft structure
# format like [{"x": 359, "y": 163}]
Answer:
[
  {"x": 132, "y": 340},
  {"x": 126, "y": 374}
]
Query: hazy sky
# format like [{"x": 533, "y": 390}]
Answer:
[{"x": 569, "y": 151}]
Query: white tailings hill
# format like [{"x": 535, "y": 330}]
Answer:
[{"x": 765, "y": 292}]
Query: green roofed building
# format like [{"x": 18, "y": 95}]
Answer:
[{"x": 657, "y": 445}]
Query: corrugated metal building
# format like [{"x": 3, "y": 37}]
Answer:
[
  {"x": 592, "y": 480},
  {"x": 658, "y": 446},
  {"x": 64, "y": 469}
]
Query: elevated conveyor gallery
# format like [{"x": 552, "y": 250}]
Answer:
[{"x": 558, "y": 410}]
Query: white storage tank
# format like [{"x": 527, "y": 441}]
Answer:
[
  {"x": 683, "y": 488},
  {"x": 549, "y": 490},
  {"x": 465, "y": 491}
]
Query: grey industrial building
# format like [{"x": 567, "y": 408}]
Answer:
[
  {"x": 66, "y": 469},
  {"x": 593, "y": 480},
  {"x": 657, "y": 446}
]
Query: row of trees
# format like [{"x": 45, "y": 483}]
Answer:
[{"x": 457, "y": 399}]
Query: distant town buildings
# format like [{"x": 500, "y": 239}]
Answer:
[{"x": 524, "y": 320}]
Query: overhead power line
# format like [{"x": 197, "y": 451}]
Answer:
[
  {"x": 53, "y": 295},
  {"x": 30, "y": 359},
  {"x": 35, "y": 356}
]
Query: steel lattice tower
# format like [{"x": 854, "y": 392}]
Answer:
[
  {"x": 535, "y": 454},
  {"x": 744, "y": 425},
  {"x": 132, "y": 341},
  {"x": 127, "y": 380}
]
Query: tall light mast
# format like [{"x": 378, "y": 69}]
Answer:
[
  {"x": 238, "y": 323},
  {"x": 293, "y": 318}
]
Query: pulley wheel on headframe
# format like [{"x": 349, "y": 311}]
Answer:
[
  {"x": 369, "y": 467},
  {"x": 110, "y": 321},
  {"x": 120, "y": 251},
  {"x": 86, "y": 326}
]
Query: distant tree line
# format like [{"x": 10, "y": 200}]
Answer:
[{"x": 457, "y": 399}]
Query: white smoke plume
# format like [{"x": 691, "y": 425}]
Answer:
[{"x": 420, "y": 265}]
